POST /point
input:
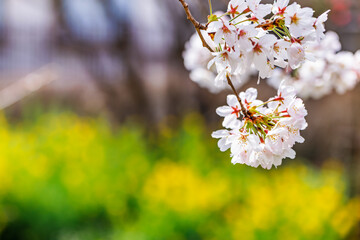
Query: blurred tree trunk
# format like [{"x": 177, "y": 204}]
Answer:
[{"x": 124, "y": 94}]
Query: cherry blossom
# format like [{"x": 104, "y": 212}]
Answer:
[
  {"x": 262, "y": 36},
  {"x": 299, "y": 20},
  {"x": 333, "y": 70},
  {"x": 196, "y": 59},
  {"x": 266, "y": 132},
  {"x": 319, "y": 25},
  {"x": 275, "y": 41}
]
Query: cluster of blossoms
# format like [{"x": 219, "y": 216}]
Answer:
[
  {"x": 243, "y": 37},
  {"x": 196, "y": 58},
  {"x": 332, "y": 70},
  {"x": 261, "y": 133},
  {"x": 251, "y": 37}
]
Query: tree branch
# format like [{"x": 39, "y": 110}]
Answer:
[
  {"x": 243, "y": 109},
  {"x": 198, "y": 26}
]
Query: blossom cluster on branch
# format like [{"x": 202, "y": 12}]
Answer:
[
  {"x": 275, "y": 41},
  {"x": 333, "y": 70},
  {"x": 263, "y": 36},
  {"x": 268, "y": 131},
  {"x": 196, "y": 59}
]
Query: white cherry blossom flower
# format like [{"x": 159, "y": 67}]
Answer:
[
  {"x": 260, "y": 54},
  {"x": 244, "y": 35},
  {"x": 225, "y": 62},
  {"x": 296, "y": 55},
  {"x": 279, "y": 6},
  {"x": 236, "y": 7},
  {"x": 223, "y": 29},
  {"x": 319, "y": 25},
  {"x": 225, "y": 139},
  {"x": 231, "y": 113},
  {"x": 258, "y": 10},
  {"x": 299, "y": 20}
]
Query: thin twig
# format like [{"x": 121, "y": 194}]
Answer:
[
  {"x": 210, "y": 6},
  {"x": 198, "y": 26},
  {"x": 203, "y": 40},
  {"x": 243, "y": 109}
]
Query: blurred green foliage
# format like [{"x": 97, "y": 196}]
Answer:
[{"x": 68, "y": 177}]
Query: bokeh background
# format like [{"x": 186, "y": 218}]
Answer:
[{"x": 104, "y": 136}]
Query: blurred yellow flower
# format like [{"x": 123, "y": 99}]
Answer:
[
  {"x": 71, "y": 171},
  {"x": 184, "y": 190}
]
